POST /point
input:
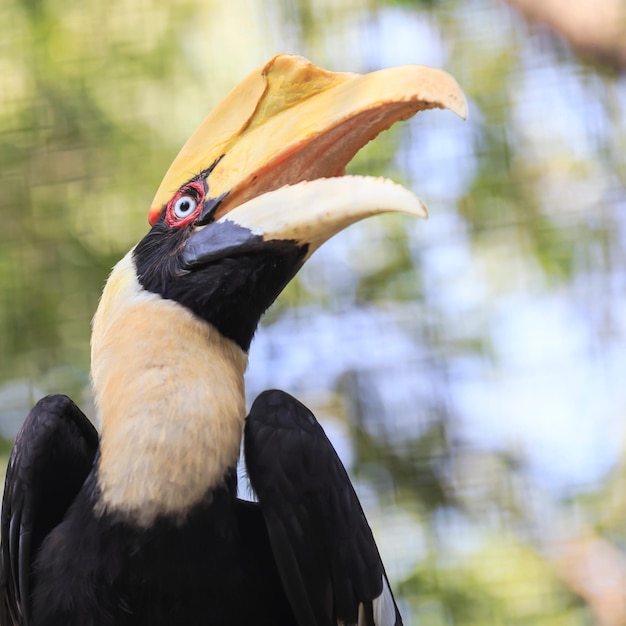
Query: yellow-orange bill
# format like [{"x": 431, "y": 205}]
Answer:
[{"x": 290, "y": 121}]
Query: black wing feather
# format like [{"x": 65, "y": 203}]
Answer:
[
  {"x": 324, "y": 548},
  {"x": 52, "y": 455}
]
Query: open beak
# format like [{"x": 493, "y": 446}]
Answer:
[{"x": 288, "y": 122}]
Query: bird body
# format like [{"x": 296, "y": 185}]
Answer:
[
  {"x": 213, "y": 567},
  {"x": 139, "y": 523}
]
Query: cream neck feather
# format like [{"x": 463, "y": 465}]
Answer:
[{"x": 169, "y": 392}]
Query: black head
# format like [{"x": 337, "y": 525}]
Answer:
[{"x": 220, "y": 271}]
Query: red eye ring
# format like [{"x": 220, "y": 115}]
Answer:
[{"x": 185, "y": 205}]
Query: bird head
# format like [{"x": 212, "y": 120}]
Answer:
[{"x": 261, "y": 184}]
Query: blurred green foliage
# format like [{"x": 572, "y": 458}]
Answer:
[{"x": 96, "y": 98}]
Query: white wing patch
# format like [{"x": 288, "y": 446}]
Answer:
[{"x": 383, "y": 607}]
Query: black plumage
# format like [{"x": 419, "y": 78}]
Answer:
[
  {"x": 324, "y": 547},
  {"x": 233, "y": 291},
  {"x": 304, "y": 555},
  {"x": 52, "y": 456}
]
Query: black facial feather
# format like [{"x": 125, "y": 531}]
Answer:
[{"x": 231, "y": 292}]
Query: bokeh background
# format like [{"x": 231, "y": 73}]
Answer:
[{"x": 470, "y": 369}]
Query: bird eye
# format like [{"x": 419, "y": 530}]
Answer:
[{"x": 184, "y": 207}]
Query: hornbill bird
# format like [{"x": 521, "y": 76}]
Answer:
[{"x": 139, "y": 523}]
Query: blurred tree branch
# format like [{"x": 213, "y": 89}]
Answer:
[{"x": 593, "y": 28}]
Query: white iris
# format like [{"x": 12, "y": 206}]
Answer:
[{"x": 185, "y": 206}]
